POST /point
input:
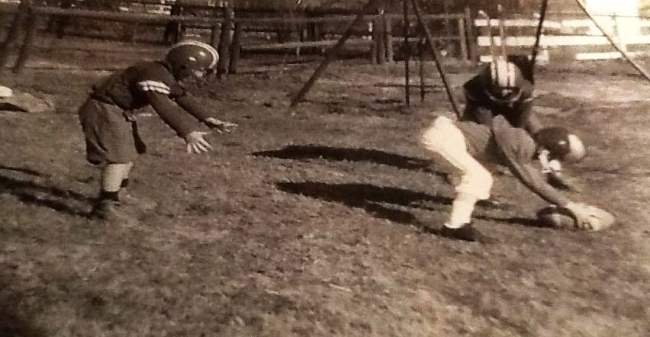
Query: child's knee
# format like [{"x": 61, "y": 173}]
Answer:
[
  {"x": 431, "y": 137},
  {"x": 477, "y": 183}
]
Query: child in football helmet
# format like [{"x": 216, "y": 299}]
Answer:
[{"x": 109, "y": 123}]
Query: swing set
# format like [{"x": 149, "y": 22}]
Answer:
[{"x": 528, "y": 69}]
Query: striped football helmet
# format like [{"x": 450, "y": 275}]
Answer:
[{"x": 504, "y": 77}]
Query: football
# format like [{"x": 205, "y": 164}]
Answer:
[
  {"x": 555, "y": 217},
  {"x": 560, "y": 218}
]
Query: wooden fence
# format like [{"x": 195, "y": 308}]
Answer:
[
  {"x": 569, "y": 35},
  {"x": 227, "y": 31}
]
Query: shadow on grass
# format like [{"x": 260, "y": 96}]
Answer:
[
  {"x": 300, "y": 152},
  {"x": 370, "y": 198},
  {"x": 21, "y": 170},
  {"x": 381, "y": 202},
  {"x": 31, "y": 192}
]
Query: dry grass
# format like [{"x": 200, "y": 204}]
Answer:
[{"x": 312, "y": 222}]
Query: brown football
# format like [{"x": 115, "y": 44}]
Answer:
[{"x": 555, "y": 217}]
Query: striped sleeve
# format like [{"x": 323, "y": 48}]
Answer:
[{"x": 154, "y": 86}]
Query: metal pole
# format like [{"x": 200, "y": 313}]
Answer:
[
  {"x": 331, "y": 53},
  {"x": 421, "y": 43},
  {"x": 538, "y": 33},
  {"x": 437, "y": 58}
]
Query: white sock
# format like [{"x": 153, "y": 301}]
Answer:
[{"x": 461, "y": 212}]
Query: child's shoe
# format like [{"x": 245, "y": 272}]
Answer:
[{"x": 111, "y": 211}]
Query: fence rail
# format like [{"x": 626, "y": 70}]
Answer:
[
  {"x": 227, "y": 30},
  {"x": 564, "y": 34},
  {"x": 571, "y": 35}
]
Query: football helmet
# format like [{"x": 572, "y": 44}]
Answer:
[
  {"x": 561, "y": 144},
  {"x": 504, "y": 76},
  {"x": 188, "y": 58}
]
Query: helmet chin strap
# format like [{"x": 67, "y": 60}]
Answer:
[
  {"x": 191, "y": 75},
  {"x": 182, "y": 73},
  {"x": 198, "y": 73}
]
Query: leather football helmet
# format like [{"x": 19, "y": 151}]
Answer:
[
  {"x": 561, "y": 143},
  {"x": 188, "y": 58}
]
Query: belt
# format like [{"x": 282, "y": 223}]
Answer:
[{"x": 129, "y": 115}]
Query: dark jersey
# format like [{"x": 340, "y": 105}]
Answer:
[
  {"x": 477, "y": 93},
  {"x": 516, "y": 109},
  {"x": 514, "y": 147},
  {"x": 151, "y": 83}
]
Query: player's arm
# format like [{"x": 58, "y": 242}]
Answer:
[
  {"x": 190, "y": 104},
  {"x": 517, "y": 150},
  {"x": 170, "y": 113},
  {"x": 530, "y": 177},
  {"x": 552, "y": 171},
  {"x": 179, "y": 122},
  {"x": 533, "y": 180},
  {"x": 530, "y": 122},
  {"x": 475, "y": 109}
]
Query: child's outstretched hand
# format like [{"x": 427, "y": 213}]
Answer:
[
  {"x": 219, "y": 125},
  {"x": 196, "y": 143}
]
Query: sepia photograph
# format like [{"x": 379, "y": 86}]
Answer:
[{"x": 371, "y": 168}]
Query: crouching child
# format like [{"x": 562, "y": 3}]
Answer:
[
  {"x": 109, "y": 123},
  {"x": 468, "y": 146}
]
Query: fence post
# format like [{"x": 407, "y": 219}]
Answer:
[
  {"x": 172, "y": 32},
  {"x": 462, "y": 40},
  {"x": 618, "y": 32},
  {"x": 214, "y": 36},
  {"x": 25, "y": 49},
  {"x": 134, "y": 33},
  {"x": 317, "y": 36},
  {"x": 235, "y": 50},
  {"x": 471, "y": 38},
  {"x": 388, "y": 38},
  {"x": 374, "y": 41},
  {"x": 224, "y": 41},
  {"x": 14, "y": 31},
  {"x": 331, "y": 53},
  {"x": 451, "y": 47},
  {"x": 381, "y": 42},
  {"x": 63, "y": 21}
]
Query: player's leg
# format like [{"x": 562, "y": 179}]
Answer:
[
  {"x": 139, "y": 201},
  {"x": 109, "y": 142},
  {"x": 125, "y": 179},
  {"x": 446, "y": 140}
]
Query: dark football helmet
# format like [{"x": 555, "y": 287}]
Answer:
[
  {"x": 561, "y": 143},
  {"x": 188, "y": 58}
]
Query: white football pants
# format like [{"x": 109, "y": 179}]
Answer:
[{"x": 444, "y": 138}]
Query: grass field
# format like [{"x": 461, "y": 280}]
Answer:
[{"x": 313, "y": 221}]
